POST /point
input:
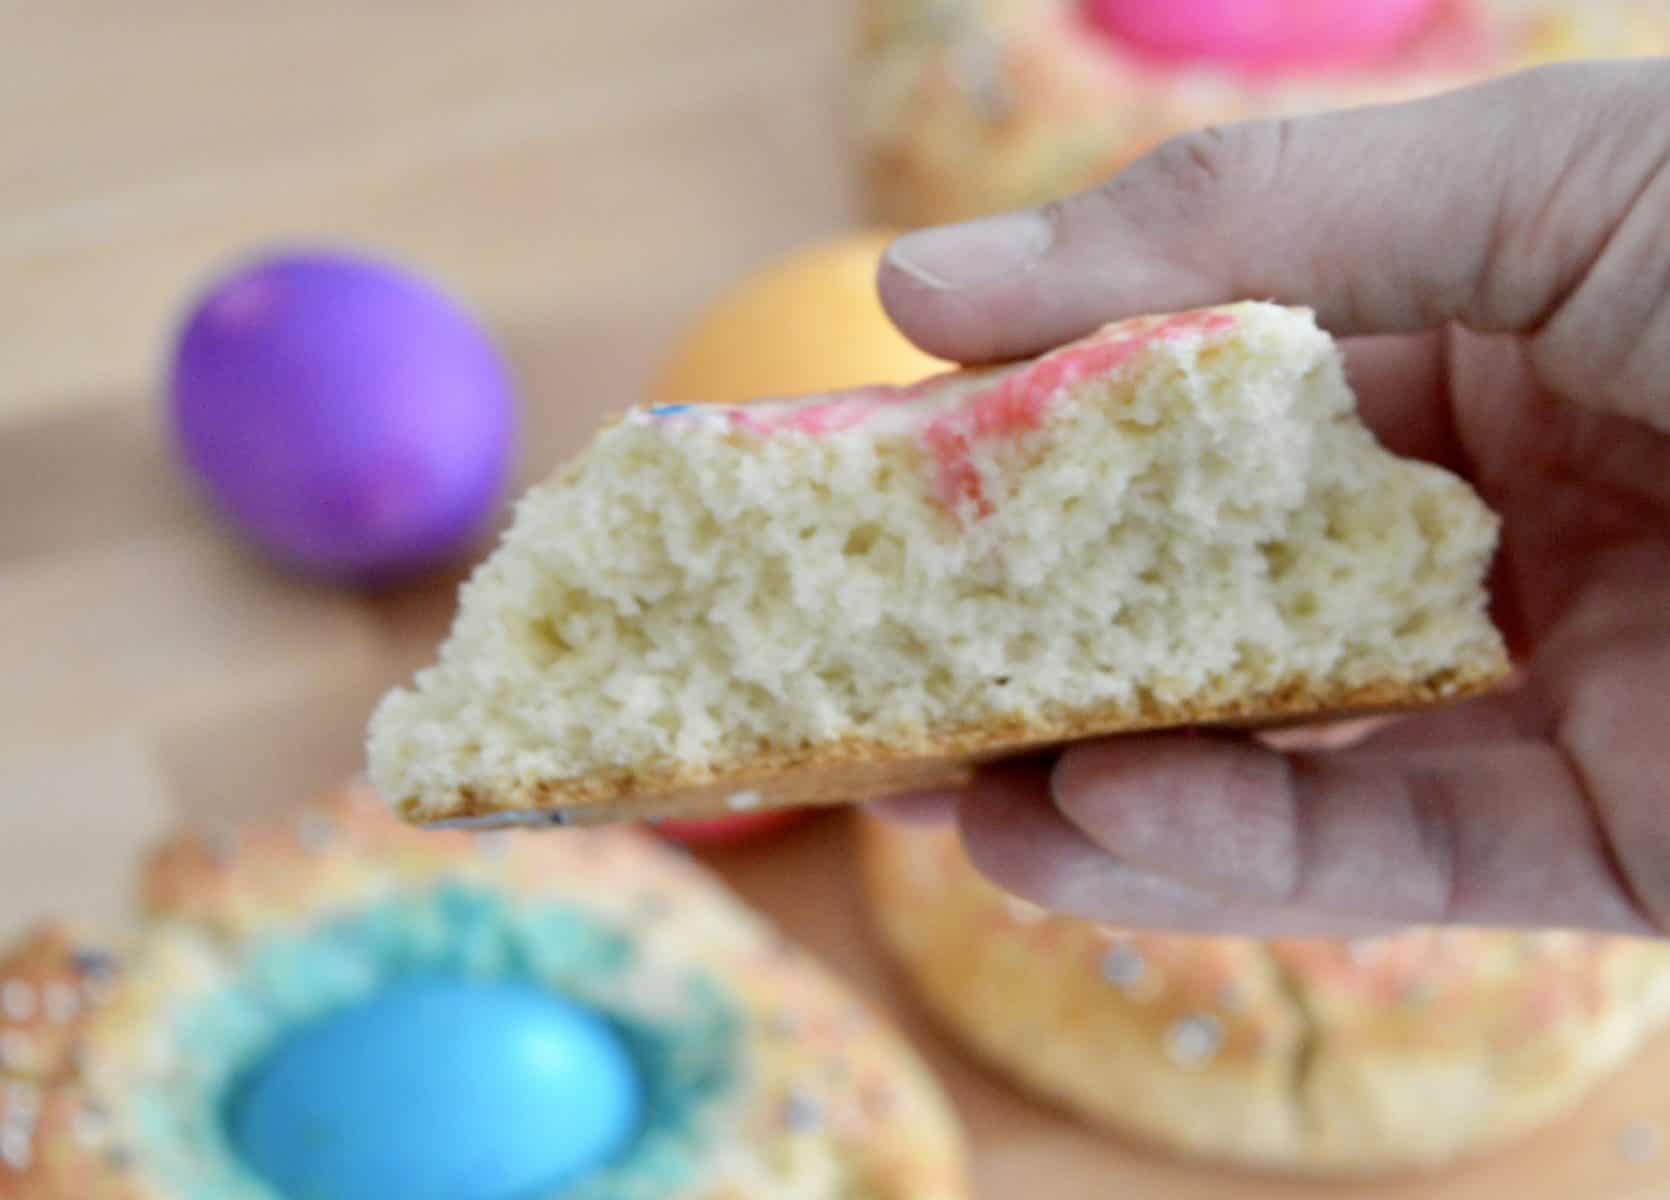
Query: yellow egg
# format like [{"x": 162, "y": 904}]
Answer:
[{"x": 809, "y": 322}]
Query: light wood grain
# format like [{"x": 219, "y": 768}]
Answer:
[
  {"x": 544, "y": 159},
  {"x": 581, "y": 172}
]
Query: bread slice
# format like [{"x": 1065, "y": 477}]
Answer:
[{"x": 1178, "y": 520}]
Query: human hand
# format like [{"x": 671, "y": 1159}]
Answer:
[{"x": 1498, "y": 260}]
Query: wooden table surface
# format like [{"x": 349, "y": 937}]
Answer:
[{"x": 584, "y": 173}]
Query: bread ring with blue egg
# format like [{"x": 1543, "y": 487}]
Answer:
[{"x": 340, "y": 1006}]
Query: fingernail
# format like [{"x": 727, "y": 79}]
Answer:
[{"x": 974, "y": 253}]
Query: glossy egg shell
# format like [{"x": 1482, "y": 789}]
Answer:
[
  {"x": 439, "y": 1090},
  {"x": 719, "y": 831},
  {"x": 1263, "y": 34},
  {"x": 807, "y": 322},
  {"x": 344, "y": 414}
]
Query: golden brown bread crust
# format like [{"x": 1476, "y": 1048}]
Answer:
[
  {"x": 1317, "y": 1057},
  {"x": 858, "y": 769}
]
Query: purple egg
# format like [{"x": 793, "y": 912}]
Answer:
[{"x": 348, "y": 416}]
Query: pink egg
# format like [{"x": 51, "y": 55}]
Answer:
[
  {"x": 729, "y": 830},
  {"x": 347, "y": 416},
  {"x": 1263, "y": 35}
]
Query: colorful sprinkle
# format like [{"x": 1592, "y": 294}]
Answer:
[
  {"x": 669, "y": 410},
  {"x": 1194, "y": 1040},
  {"x": 801, "y": 1111},
  {"x": 91, "y": 1127},
  {"x": 1123, "y": 966},
  {"x": 17, "y": 1000},
  {"x": 93, "y": 963},
  {"x": 16, "y": 1148}
]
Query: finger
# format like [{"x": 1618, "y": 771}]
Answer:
[
  {"x": 1490, "y": 206},
  {"x": 1017, "y": 839},
  {"x": 1402, "y": 394},
  {"x": 1513, "y": 714},
  {"x": 1497, "y": 834},
  {"x": 1613, "y": 728}
]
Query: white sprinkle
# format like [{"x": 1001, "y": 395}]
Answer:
[
  {"x": 17, "y": 1000},
  {"x": 90, "y": 1129},
  {"x": 16, "y": 1050},
  {"x": 1640, "y": 1142},
  {"x": 1193, "y": 1040},
  {"x": 744, "y": 801},
  {"x": 1123, "y": 967},
  {"x": 16, "y": 1148},
  {"x": 62, "y": 1002},
  {"x": 23, "y": 1100},
  {"x": 801, "y": 1111}
]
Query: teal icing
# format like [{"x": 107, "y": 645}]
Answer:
[{"x": 682, "y": 1031}]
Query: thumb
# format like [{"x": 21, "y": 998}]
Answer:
[{"x": 1535, "y": 204}]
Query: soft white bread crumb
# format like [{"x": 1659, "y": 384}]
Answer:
[{"x": 1174, "y": 520}]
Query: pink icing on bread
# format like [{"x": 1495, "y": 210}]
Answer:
[{"x": 1016, "y": 401}]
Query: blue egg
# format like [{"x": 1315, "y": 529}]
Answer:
[{"x": 439, "y": 1090}]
